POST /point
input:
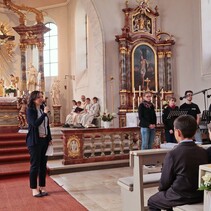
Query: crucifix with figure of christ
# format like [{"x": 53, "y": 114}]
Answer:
[{"x": 147, "y": 82}]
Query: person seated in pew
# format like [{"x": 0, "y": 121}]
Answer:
[
  {"x": 68, "y": 120},
  {"x": 86, "y": 109},
  {"x": 93, "y": 112},
  {"x": 76, "y": 109},
  {"x": 179, "y": 179}
]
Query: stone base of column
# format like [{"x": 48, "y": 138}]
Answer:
[{"x": 56, "y": 115}]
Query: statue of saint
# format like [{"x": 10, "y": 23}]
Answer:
[
  {"x": 55, "y": 92},
  {"x": 32, "y": 78}
]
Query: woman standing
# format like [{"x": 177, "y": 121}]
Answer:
[
  {"x": 147, "y": 117},
  {"x": 37, "y": 140}
]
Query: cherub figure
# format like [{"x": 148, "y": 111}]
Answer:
[{"x": 22, "y": 105}]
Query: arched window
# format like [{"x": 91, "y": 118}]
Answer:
[{"x": 51, "y": 51}]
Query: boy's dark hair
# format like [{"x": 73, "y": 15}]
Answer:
[
  {"x": 188, "y": 92},
  {"x": 187, "y": 125}
]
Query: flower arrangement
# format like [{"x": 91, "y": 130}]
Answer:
[
  {"x": 206, "y": 185},
  {"x": 10, "y": 89},
  {"x": 108, "y": 117}
]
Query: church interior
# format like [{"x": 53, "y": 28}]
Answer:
[{"x": 114, "y": 51}]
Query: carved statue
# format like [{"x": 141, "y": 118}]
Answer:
[
  {"x": 14, "y": 80},
  {"x": 32, "y": 78},
  {"x": 22, "y": 106},
  {"x": 55, "y": 92}
]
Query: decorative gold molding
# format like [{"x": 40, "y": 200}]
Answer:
[
  {"x": 22, "y": 17},
  {"x": 73, "y": 146}
]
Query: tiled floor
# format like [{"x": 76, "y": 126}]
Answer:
[{"x": 97, "y": 190}]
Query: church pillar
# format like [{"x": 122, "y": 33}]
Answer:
[
  {"x": 23, "y": 47},
  {"x": 41, "y": 68}
]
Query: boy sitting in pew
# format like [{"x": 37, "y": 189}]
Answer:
[{"x": 179, "y": 179}]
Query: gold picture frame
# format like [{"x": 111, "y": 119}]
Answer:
[{"x": 144, "y": 68}]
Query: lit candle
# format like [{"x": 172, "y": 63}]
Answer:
[
  {"x": 139, "y": 91},
  {"x": 133, "y": 104},
  {"x": 18, "y": 93},
  {"x": 162, "y": 94}
]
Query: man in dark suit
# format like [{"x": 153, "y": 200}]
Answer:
[{"x": 179, "y": 179}]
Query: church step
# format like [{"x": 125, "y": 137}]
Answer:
[
  {"x": 13, "y": 150},
  {"x": 12, "y": 136},
  {"x": 13, "y": 158},
  {"x": 14, "y": 169},
  {"x": 12, "y": 143}
]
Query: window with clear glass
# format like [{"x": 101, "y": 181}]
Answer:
[{"x": 51, "y": 51}]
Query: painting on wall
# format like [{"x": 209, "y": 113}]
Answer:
[{"x": 144, "y": 68}]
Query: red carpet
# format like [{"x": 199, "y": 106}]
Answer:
[{"x": 15, "y": 195}]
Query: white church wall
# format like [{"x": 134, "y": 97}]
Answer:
[
  {"x": 58, "y": 16},
  {"x": 179, "y": 18},
  {"x": 86, "y": 71}
]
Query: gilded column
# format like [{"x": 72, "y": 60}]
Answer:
[
  {"x": 41, "y": 66},
  {"x": 123, "y": 81},
  {"x": 23, "y": 47}
]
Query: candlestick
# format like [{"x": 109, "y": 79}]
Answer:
[
  {"x": 133, "y": 104},
  {"x": 156, "y": 103},
  {"x": 162, "y": 94},
  {"x": 138, "y": 101}
]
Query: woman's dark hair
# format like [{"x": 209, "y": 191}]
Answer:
[
  {"x": 33, "y": 96},
  {"x": 187, "y": 125}
]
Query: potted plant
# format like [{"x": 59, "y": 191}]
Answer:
[
  {"x": 10, "y": 91},
  {"x": 206, "y": 187},
  {"x": 107, "y": 118}
]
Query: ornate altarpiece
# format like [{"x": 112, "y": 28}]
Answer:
[{"x": 145, "y": 58}]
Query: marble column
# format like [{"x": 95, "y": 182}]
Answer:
[
  {"x": 41, "y": 65},
  {"x": 23, "y": 47}
]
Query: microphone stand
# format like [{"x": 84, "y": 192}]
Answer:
[{"x": 202, "y": 91}]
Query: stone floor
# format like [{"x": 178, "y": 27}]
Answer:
[{"x": 97, "y": 190}]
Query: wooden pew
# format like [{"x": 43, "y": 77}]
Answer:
[{"x": 132, "y": 188}]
